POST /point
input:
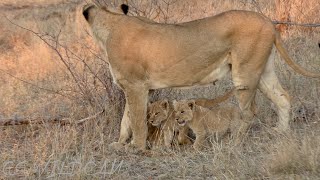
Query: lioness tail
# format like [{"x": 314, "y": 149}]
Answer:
[
  {"x": 288, "y": 60},
  {"x": 209, "y": 103}
]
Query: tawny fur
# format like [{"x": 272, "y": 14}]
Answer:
[
  {"x": 206, "y": 122},
  {"x": 145, "y": 55},
  {"x": 160, "y": 115}
]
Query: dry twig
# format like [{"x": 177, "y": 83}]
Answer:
[{"x": 41, "y": 120}]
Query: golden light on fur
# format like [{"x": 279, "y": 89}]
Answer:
[{"x": 145, "y": 55}]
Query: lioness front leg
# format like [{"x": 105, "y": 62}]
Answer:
[
  {"x": 137, "y": 105},
  {"x": 125, "y": 130}
]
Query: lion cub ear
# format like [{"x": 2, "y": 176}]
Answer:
[
  {"x": 191, "y": 104},
  {"x": 174, "y": 103},
  {"x": 124, "y": 8},
  {"x": 148, "y": 106},
  {"x": 164, "y": 104}
]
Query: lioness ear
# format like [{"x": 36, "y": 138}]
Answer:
[
  {"x": 86, "y": 9},
  {"x": 165, "y": 104},
  {"x": 191, "y": 104},
  {"x": 124, "y": 8}
]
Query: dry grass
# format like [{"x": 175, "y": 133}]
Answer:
[
  {"x": 297, "y": 154},
  {"x": 35, "y": 82}
]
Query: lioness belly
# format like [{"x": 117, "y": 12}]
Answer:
[
  {"x": 215, "y": 74},
  {"x": 196, "y": 78}
]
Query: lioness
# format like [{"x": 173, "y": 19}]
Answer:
[
  {"x": 206, "y": 122},
  {"x": 145, "y": 55}
]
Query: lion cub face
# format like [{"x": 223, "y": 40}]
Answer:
[
  {"x": 183, "y": 111},
  {"x": 158, "y": 112}
]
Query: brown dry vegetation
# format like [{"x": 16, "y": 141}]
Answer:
[{"x": 68, "y": 77}]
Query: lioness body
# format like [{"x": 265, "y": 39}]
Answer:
[
  {"x": 206, "y": 122},
  {"x": 144, "y": 55}
]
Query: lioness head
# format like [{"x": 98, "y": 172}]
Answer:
[
  {"x": 90, "y": 11},
  {"x": 183, "y": 111},
  {"x": 158, "y": 112},
  {"x": 102, "y": 21}
]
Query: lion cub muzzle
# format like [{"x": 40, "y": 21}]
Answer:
[
  {"x": 181, "y": 122},
  {"x": 158, "y": 112},
  {"x": 183, "y": 112},
  {"x": 154, "y": 123}
]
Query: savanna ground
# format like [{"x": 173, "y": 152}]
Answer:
[{"x": 50, "y": 69}]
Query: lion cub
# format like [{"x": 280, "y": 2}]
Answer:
[
  {"x": 206, "y": 122},
  {"x": 160, "y": 116}
]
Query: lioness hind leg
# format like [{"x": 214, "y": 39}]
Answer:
[
  {"x": 249, "y": 58},
  {"x": 271, "y": 87},
  {"x": 125, "y": 131},
  {"x": 245, "y": 78},
  {"x": 246, "y": 85},
  {"x": 245, "y": 98}
]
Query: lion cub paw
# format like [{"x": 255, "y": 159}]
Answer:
[
  {"x": 197, "y": 147},
  {"x": 116, "y": 146},
  {"x": 185, "y": 142},
  {"x": 133, "y": 149}
]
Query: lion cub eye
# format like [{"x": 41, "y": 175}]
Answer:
[
  {"x": 157, "y": 113},
  {"x": 182, "y": 112}
]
